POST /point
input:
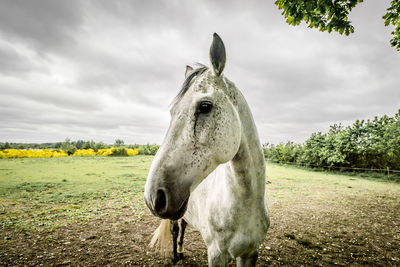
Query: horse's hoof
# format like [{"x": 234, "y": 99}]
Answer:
[{"x": 177, "y": 258}]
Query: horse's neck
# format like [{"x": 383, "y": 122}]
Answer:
[{"x": 246, "y": 171}]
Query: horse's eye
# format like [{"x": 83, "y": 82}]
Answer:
[{"x": 205, "y": 107}]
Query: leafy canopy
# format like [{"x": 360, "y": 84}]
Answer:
[{"x": 332, "y": 15}]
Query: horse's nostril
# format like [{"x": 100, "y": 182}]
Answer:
[{"x": 161, "y": 202}]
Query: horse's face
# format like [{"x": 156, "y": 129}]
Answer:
[{"x": 204, "y": 132}]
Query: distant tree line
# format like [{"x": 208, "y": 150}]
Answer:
[
  {"x": 372, "y": 144},
  {"x": 365, "y": 144},
  {"x": 71, "y": 146}
]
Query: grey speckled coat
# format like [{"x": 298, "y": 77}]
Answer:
[{"x": 210, "y": 168}]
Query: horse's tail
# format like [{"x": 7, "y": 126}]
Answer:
[{"x": 162, "y": 238}]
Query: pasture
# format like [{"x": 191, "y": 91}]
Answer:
[{"x": 90, "y": 211}]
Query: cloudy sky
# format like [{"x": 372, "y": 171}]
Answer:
[{"x": 104, "y": 70}]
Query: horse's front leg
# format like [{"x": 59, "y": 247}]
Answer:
[
  {"x": 175, "y": 233},
  {"x": 217, "y": 258},
  {"x": 248, "y": 260},
  {"x": 182, "y": 227},
  {"x": 178, "y": 232}
]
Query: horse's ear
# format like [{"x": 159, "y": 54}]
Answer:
[
  {"x": 188, "y": 71},
  {"x": 217, "y": 55}
]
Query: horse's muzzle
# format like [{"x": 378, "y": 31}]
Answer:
[{"x": 163, "y": 206}]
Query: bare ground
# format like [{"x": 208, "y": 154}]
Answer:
[{"x": 363, "y": 232}]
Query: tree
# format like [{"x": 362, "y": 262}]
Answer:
[
  {"x": 57, "y": 145},
  {"x": 79, "y": 144},
  {"x": 119, "y": 142},
  {"x": 99, "y": 145},
  {"x": 68, "y": 147},
  {"x": 393, "y": 17},
  {"x": 332, "y": 15},
  {"x": 89, "y": 144}
]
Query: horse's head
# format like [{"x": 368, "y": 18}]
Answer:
[{"x": 204, "y": 131}]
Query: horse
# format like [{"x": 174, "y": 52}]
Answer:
[{"x": 210, "y": 170}]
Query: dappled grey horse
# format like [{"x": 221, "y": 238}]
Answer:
[{"x": 210, "y": 169}]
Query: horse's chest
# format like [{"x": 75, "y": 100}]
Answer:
[
  {"x": 237, "y": 229},
  {"x": 233, "y": 222}
]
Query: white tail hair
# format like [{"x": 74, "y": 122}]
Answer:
[{"x": 162, "y": 238}]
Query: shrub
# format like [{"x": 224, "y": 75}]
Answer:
[
  {"x": 148, "y": 149},
  {"x": 40, "y": 153},
  {"x": 85, "y": 152},
  {"x": 105, "y": 152},
  {"x": 132, "y": 152},
  {"x": 119, "y": 151}
]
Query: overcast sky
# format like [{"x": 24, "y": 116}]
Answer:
[{"x": 104, "y": 70}]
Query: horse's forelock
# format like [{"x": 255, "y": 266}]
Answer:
[{"x": 188, "y": 81}]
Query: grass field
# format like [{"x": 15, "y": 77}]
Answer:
[
  {"x": 43, "y": 194},
  {"x": 90, "y": 211}
]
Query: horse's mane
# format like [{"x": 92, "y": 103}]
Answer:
[{"x": 188, "y": 81}]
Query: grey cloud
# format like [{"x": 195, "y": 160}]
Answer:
[
  {"x": 108, "y": 69},
  {"x": 44, "y": 24},
  {"x": 12, "y": 62},
  {"x": 58, "y": 97}
]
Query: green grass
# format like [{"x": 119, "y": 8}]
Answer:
[
  {"x": 44, "y": 194},
  {"x": 48, "y": 193},
  {"x": 307, "y": 185}
]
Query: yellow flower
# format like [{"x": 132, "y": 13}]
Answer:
[
  {"x": 85, "y": 152},
  {"x": 132, "y": 152}
]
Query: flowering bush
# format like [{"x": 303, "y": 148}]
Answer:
[
  {"x": 54, "y": 153},
  {"x": 105, "y": 151},
  {"x": 59, "y": 153},
  {"x": 84, "y": 152},
  {"x": 132, "y": 152},
  {"x": 40, "y": 153}
]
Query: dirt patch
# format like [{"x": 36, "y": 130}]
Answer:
[
  {"x": 109, "y": 240},
  {"x": 365, "y": 233}
]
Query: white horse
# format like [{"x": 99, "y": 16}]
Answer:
[{"x": 210, "y": 168}]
